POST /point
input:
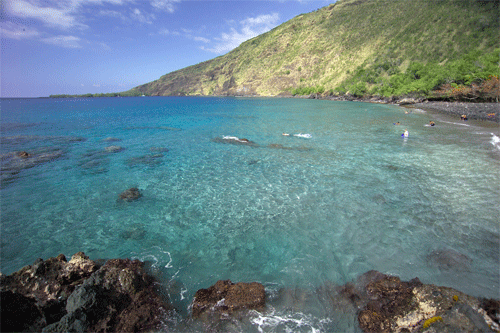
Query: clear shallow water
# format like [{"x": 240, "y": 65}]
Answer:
[{"x": 355, "y": 196}]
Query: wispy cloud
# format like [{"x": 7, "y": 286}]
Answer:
[
  {"x": 17, "y": 31},
  {"x": 248, "y": 28},
  {"x": 70, "y": 42},
  {"x": 186, "y": 33},
  {"x": 58, "y": 15},
  {"x": 142, "y": 17},
  {"x": 73, "y": 18},
  {"x": 70, "y": 14},
  {"x": 201, "y": 39},
  {"x": 166, "y": 5}
]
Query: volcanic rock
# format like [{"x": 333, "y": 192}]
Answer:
[
  {"x": 226, "y": 297},
  {"x": 119, "y": 297},
  {"x": 387, "y": 304},
  {"x": 43, "y": 288}
]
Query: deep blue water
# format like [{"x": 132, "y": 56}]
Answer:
[{"x": 301, "y": 213}]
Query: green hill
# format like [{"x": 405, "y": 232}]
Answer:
[{"x": 376, "y": 47}]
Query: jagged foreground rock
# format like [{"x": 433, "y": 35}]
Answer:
[
  {"x": 79, "y": 296},
  {"x": 83, "y": 296}
]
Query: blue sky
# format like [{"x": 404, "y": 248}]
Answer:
[{"x": 93, "y": 46}]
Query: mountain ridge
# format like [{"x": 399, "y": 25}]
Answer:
[{"x": 359, "y": 47}]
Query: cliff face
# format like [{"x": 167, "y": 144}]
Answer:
[{"x": 326, "y": 48}]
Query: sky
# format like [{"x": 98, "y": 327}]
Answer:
[{"x": 100, "y": 46}]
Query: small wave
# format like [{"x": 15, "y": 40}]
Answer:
[
  {"x": 234, "y": 138},
  {"x": 495, "y": 141},
  {"x": 419, "y": 111},
  {"x": 306, "y": 135},
  {"x": 453, "y": 123}
]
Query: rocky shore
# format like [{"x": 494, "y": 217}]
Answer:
[
  {"x": 476, "y": 111},
  {"x": 82, "y": 295}
]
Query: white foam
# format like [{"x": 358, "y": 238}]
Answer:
[
  {"x": 291, "y": 322},
  {"x": 306, "y": 135},
  {"x": 228, "y": 137},
  {"x": 235, "y": 138},
  {"x": 495, "y": 141},
  {"x": 183, "y": 291}
]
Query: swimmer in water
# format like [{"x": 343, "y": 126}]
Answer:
[
  {"x": 405, "y": 134},
  {"x": 285, "y": 134}
]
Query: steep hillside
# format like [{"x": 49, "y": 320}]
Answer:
[{"x": 351, "y": 45}]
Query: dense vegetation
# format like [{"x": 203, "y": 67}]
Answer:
[
  {"x": 430, "y": 79},
  {"x": 435, "y": 49}
]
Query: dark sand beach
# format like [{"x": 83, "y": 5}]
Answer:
[{"x": 476, "y": 111}]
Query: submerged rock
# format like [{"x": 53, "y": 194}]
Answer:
[
  {"x": 111, "y": 139},
  {"x": 450, "y": 260},
  {"x": 95, "y": 161},
  {"x": 150, "y": 160},
  {"x": 226, "y": 297},
  {"x": 113, "y": 149},
  {"x": 130, "y": 195},
  {"x": 135, "y": 232},
  {"x": 16, "y": 161}
]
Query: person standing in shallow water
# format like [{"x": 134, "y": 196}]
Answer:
[{"x": 405, "y": 134}]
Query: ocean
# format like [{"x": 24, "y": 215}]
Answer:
[{"x": 342, "y": 194}]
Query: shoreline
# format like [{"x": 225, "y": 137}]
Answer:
[
  {"x": 476, "y": 111},
  {"x": 123, "y": 295}
]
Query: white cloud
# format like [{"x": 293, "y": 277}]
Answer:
[
  {"x": 166, "y": 5},
  {"x": 201, "y": 39},
  {"x": 63, "y": 14},
  {"x": 249, "y": 28},
  {"x": 56, "y": 15},
  {"x": 142, "y": 17},
  {"x": 16, "y": 31},
  {"x": 70, "y": 42},
  {"x": 262, "y": 20}
]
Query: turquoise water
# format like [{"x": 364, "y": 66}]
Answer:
[{"x": 352, "y": 197}]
